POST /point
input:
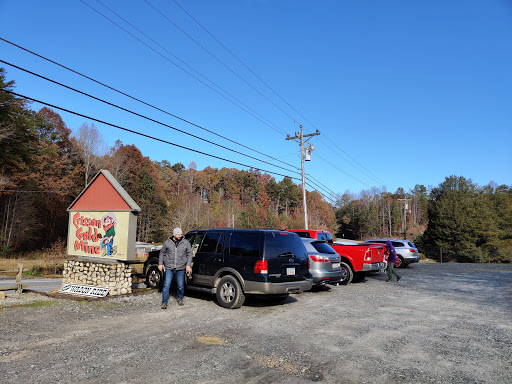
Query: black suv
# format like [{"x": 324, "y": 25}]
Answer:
[{"x": 233, "y": 262}]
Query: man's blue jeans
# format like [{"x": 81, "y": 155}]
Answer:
[{"x": 180, "y": 281}]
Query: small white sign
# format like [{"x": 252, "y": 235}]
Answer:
[{"x": 84, "y": 290}]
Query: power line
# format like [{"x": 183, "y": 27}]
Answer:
[
  {"x": 141, "y": 101},
  {"x": 342, "y": 171},
  {"x": 368, "y": 173},
  {"x": 143, "y": 116},
  {"x": 236, "y": 57},
  {"x": 217, "y": 59},
  {"x": 142, "y": 134},
  {"x": 321, "y": 194},
  {"x": 258, "y": 117},
  {"x": 325, "y": 194},
  {"x": 330, "y": 190},
  {"x": 24, "y": 191},
  {"x": 374, "y": 177}
]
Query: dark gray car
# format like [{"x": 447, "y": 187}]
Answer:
[{"x": 324, "y": 262}]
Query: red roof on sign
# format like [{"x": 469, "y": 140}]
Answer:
[{"x": 104, "y": 193}]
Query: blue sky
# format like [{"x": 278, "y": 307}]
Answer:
[{"x": 403, "y": 92}]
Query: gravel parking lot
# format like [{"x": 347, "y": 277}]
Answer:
[{"x": 442, "y": 323}]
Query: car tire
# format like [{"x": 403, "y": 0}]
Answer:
[
  {"x": 229, "y": 293},
  {"x": 401, "y": 262},
  {"x": 154, "y": 277},
  {"x": 346, "y": 274}
]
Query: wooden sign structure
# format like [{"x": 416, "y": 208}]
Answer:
[{"x": 103, "y": 221}]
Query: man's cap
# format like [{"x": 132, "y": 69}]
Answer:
[{"x": 177, "y": 231}]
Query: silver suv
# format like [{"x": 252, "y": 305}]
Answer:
[
  {"x": 324, "y": 262},
  {"x": 405, "y": 250}
]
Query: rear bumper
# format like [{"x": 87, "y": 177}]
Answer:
[
  {"x": 374, "y": 266},
  {"x": 411, "y": 259},
  {"x": 278, "y": 288},
  {"x": 330, "y": 277}
]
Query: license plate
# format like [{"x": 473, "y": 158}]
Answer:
[
  {"x": 335, "y": 265},
  {"x": 290, "y": 271}
]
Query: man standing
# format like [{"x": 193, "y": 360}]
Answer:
[
  {"x": 391, "y": 262},
  {"x": 176, "y": 258}
]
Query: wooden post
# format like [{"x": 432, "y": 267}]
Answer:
[
  {"x": 441, "y": 255},
  {"x": 19, "y": 288}
]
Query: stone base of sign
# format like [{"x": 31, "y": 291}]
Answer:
[{"x": 112, "y": 274}]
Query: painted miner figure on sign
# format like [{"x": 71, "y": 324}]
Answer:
[{"x": 107, "y": 240}]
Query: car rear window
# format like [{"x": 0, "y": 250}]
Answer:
[
  {"x": 245, "y": 244},
  {"x": 323, "y": 247},
  {"x": 283, "y": 243},
  {"x": 411, "y": 244},
  {"x": 303, "y": 234}
]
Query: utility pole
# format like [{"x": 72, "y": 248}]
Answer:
[
  {"x": 305, "y": 154},
  {"x": 405, "y": 216}
]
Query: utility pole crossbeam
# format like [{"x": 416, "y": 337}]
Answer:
[{"x": 299, "y": 137}]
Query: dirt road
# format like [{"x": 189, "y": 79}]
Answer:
[{"x": 445, "y": 323}]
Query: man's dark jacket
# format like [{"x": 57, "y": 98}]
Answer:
[{"x": 175, "y": 255}]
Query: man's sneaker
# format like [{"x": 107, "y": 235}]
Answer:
[
  {"x": 180, "y": 302},
  {"x": 398, "y": 278},
  {"x": 164, "y": 306}
]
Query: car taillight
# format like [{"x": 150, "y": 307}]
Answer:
[
  {"x": 412, "y": 250},
  {"x": 321, "y": 259},
  {"x": 261, "y": 267},
  {"x": 368, "y": 256}
]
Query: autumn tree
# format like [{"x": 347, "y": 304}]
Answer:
[
  {"x": 91, "y": 149},
  {"x": 153, "y": 208}
]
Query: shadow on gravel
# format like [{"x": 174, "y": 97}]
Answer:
[
  {"x": 250, "y": 300},
  {"x": 267, "y": 301}
]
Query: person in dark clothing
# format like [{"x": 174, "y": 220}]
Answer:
[
  {"x": 392, "y": 258},
  {"x": 175, "y": 258}
]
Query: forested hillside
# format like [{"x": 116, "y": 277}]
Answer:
[{"x": 44, "y": 166}]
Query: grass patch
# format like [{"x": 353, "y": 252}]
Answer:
[
  {"x": 35, "y": 304},
  {"x": 42, "y": 267}
]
